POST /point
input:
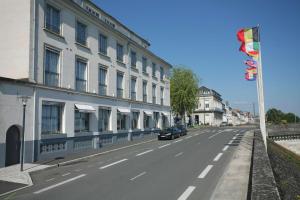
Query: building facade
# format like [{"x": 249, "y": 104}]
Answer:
[
  {"x": 209, "y": 110},
  {"x": 90, "y": 80}
]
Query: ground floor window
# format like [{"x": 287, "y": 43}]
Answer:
[
  {"x": 147, "y": 119},
  {"x": 82, "y": 121},
  {"x": 135, "y": 119},
  {"x": 103, "y": 122},
  {"x": 51, "y": 118},
  {"x": 155, "y": 119},
  {"x": 121, "y": 121},
  {"x": 164, "y": 121}
]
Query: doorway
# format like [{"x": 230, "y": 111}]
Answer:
[{"x": 13, "y": 143}]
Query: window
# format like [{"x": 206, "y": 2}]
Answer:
[
  {"x": 146, "y": 121},
  {"x": 121, "y": 121},
  {"x": 164, "y": 121},
  {"x": 51, "y": 67},
  {"x": 135, "y": 120},
  {"x": 103, "y": 44},
  {"x": 144, "y": 63},
  {"x": 120, "y": 85},
  {"x": 153, "y": 69},
  {"x": 155, "y": 119},
  {"x": 52, "y": 19},
  {"x": 161, "y": 96},
  {"x": 102, "y": 81},
  {"x": 51, "y": 118},
  {"x": 133, "y": 88},
  {"x": 145, "y": 91},
  {"x": 120, "y": 52},
  {"x": 206, "y": 105},
  {"x": 103, "y": 123},
  {"x": 162, "y": 73},
  {"x": 81, "y": 33},
  {"x": 81, "y": 121},
  {"x": 153, "y": 93},
  {"x": 133, "y": 59},
  {"x": 81, "y": 75}
]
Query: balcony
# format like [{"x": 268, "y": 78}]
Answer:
[
  {"x": 102, "y": 90},
  {"x": 51, "y": 78}
]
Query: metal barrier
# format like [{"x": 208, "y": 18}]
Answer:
[{"x": 285, "y": 137}]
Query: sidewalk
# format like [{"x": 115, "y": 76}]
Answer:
[{"x": 233, "y": 185}]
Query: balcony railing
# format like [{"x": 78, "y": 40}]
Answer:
[
  {"x": 80, "y": 85},
  {"x": 103, "y": 90},
  {"x": 51, "y": 78},
  {"x": 53, "y": 28},
  {"x": 133, "y": 96},
  {"x": 144, "y": 98},
  {"x": 120, "y": 93}
]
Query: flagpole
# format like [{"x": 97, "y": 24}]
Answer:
[{"x": 260, "y": 92}]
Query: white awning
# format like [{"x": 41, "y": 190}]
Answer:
[
  {"x": 148, "y": 112},
  {"x": 165, "y": 113},
  {"x": 85, "y": 108},
  {"x": 124, "y": 110}
]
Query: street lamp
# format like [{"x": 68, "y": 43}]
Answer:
[{"x": 24, "y": 100}]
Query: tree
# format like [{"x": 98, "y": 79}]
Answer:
[
  {"x": 277, "y": 116},
  {"x": 184, "y": 91}
]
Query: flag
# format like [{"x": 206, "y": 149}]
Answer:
[
  {"x": 251, "y": 63},
  {"x": 250, "y": 77},
  {"x": 250, "y": 41},
  {"x": 251, "y": 70}
]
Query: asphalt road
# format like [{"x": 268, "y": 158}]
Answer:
[{"x": 185, "y": 168}]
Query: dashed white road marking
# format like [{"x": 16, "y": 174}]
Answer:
[
  {"x": 230, "y": 142},
  {"x": 114, "y": 163},
  {"x": 218, "y": 157},
  {"x": 225, "y": 148},
  {"x": 66, "y": 174},
  {"x": 215, "y": 134},
  {"x": 51, "y": 179},
  {"x": 196, "y": 134},
  {"x": 164, "y": 145},
  {"x": 177, "y": 141},
  {"x": 141, "y": 174},
  {"x": 179, "y": 154},
  {"x": 187, "y": 193},
  {"x": 188, "y": 137},
  {"x": 234, "y": 138},
  {"x": 144, "y": 152},
  {"x": 78, "y": 170},
  {"x": 59, "y": 184},
  {"x": 205, "y": 171}
]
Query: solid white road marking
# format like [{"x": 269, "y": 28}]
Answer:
[
  {"x": 114, "y": 163},
  {"x": 51, "y": 179},
  {"x": 66, "y": 174},
  {"x": 205, "y": 171},
  {"x": 196, "y": 134},
  {"x": 188, "y": 137},
  {"x": 78, "y": 170},
  {"x": 225, "y": 148},
  {"x": 179, "y": 154},
  {"x": 144, "y": 152},
  {"x": 218, "y": 157},
  {"x": 164, "y": 145},
  {"x": 187, "y": 193},
  {"x": 141, "y": 174},
  {"x": 59, "y": 184}
]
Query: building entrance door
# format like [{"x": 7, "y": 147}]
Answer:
[{"x": 13, "y": 143}]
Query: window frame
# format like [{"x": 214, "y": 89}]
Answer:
[
  {"x": 100, "y": 85},
  {"x": 59, "y": 31},
  {"x": 119, "y": 74},
  {"x": 84, "y": 43},
  {"x": 102, "y": 51},
  {"x": 86, "y": 121},
  {"x": 106, "y": 128},
  {"x": 58, "y": 73},
  {"x": 82, "y": 60},
  {"x": 118, "y": 48},
  {"x": 60, "y": 117}
]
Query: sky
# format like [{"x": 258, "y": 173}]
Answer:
[{"x": 201, "y": 35}]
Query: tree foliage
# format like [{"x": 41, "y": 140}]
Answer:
[
  {"x": 277, "y": 116},
  {"x": 184, "y": 90}
]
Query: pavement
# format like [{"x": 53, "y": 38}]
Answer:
[
  {"x": 233, "y": 185},
  {"x": 186, "y": 168}
]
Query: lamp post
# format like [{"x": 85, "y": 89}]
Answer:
[{"x": 24, "y": 100}]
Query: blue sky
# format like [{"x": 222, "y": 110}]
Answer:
[{"x": 201, "y": 34}]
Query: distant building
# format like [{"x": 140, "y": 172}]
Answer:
[
  {"x": 209, "y": 110},
  {"x": 90, "y": 79}
]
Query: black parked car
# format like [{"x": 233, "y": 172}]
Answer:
[
  {"x": 169, "y": 133},
  {"x": 183, "y": 130}
]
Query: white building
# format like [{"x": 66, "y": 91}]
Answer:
[
  {"x": 209, "y": 110},
  {"x": 91, "y": 80}
]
